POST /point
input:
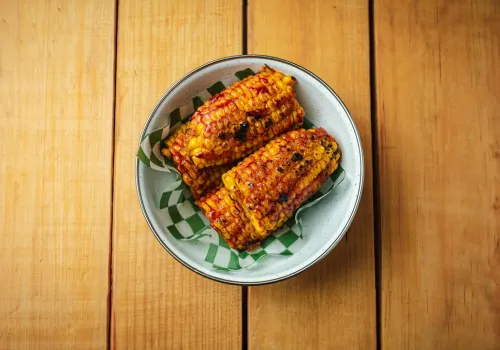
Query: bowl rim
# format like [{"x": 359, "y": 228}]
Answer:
[{"x": 358, "y": 195}]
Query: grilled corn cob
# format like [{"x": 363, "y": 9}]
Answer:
[
  {"x": 229, "y": 219},
  {"x": 242, "y": 118},
  {"x": 200, "y": 180},
  {"x": 274, "y": 181}
]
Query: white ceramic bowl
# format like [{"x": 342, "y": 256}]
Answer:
[{"x": 324, "y": 224}]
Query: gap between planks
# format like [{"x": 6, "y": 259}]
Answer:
[{"x": 110, "y": 267}]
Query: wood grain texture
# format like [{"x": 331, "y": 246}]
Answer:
[
  {"x": 158, "y": 303},
  {"x": 332, "y": 305},
  {"x": 438, "y": 107},
  {"x": 56, "y": 117}
]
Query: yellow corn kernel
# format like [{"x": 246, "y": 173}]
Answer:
[
  {"x": 209, "y": 144},
  {"x": 228, "y": 181},
  {"x": 288, "y": 80}
]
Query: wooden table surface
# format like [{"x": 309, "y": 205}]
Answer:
[{"x": 420, "y": 265}]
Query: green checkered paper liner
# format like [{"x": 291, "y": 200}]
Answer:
[{"x": 184, "y": 219}]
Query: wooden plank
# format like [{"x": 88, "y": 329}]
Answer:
[
  {"x": 158, "y": 303},
  {"x": 56, "y": 117},
  {"x": 332, "y": 305},
  {"x": 438, "y": 107}
]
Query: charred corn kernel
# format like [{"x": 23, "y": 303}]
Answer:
[
  {"x": 270, "y": 189},
  {"x": 241, "y": 119},
  {"x": 228, "y": 218}
]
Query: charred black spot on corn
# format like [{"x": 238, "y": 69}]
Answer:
[
  {"x": 241, "y": 133},
  {"x": 297, "y": 156},
  {"x": 221, "y": 220},
  {"x": 268, "y": 123},
  {"x": 254, "y": 116},
  {"x": 283, "y": 198},
  {"x": 280, "y": 169},
  {"x": 325, "y": 143},
  {"x": 224, "y": 135}
]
